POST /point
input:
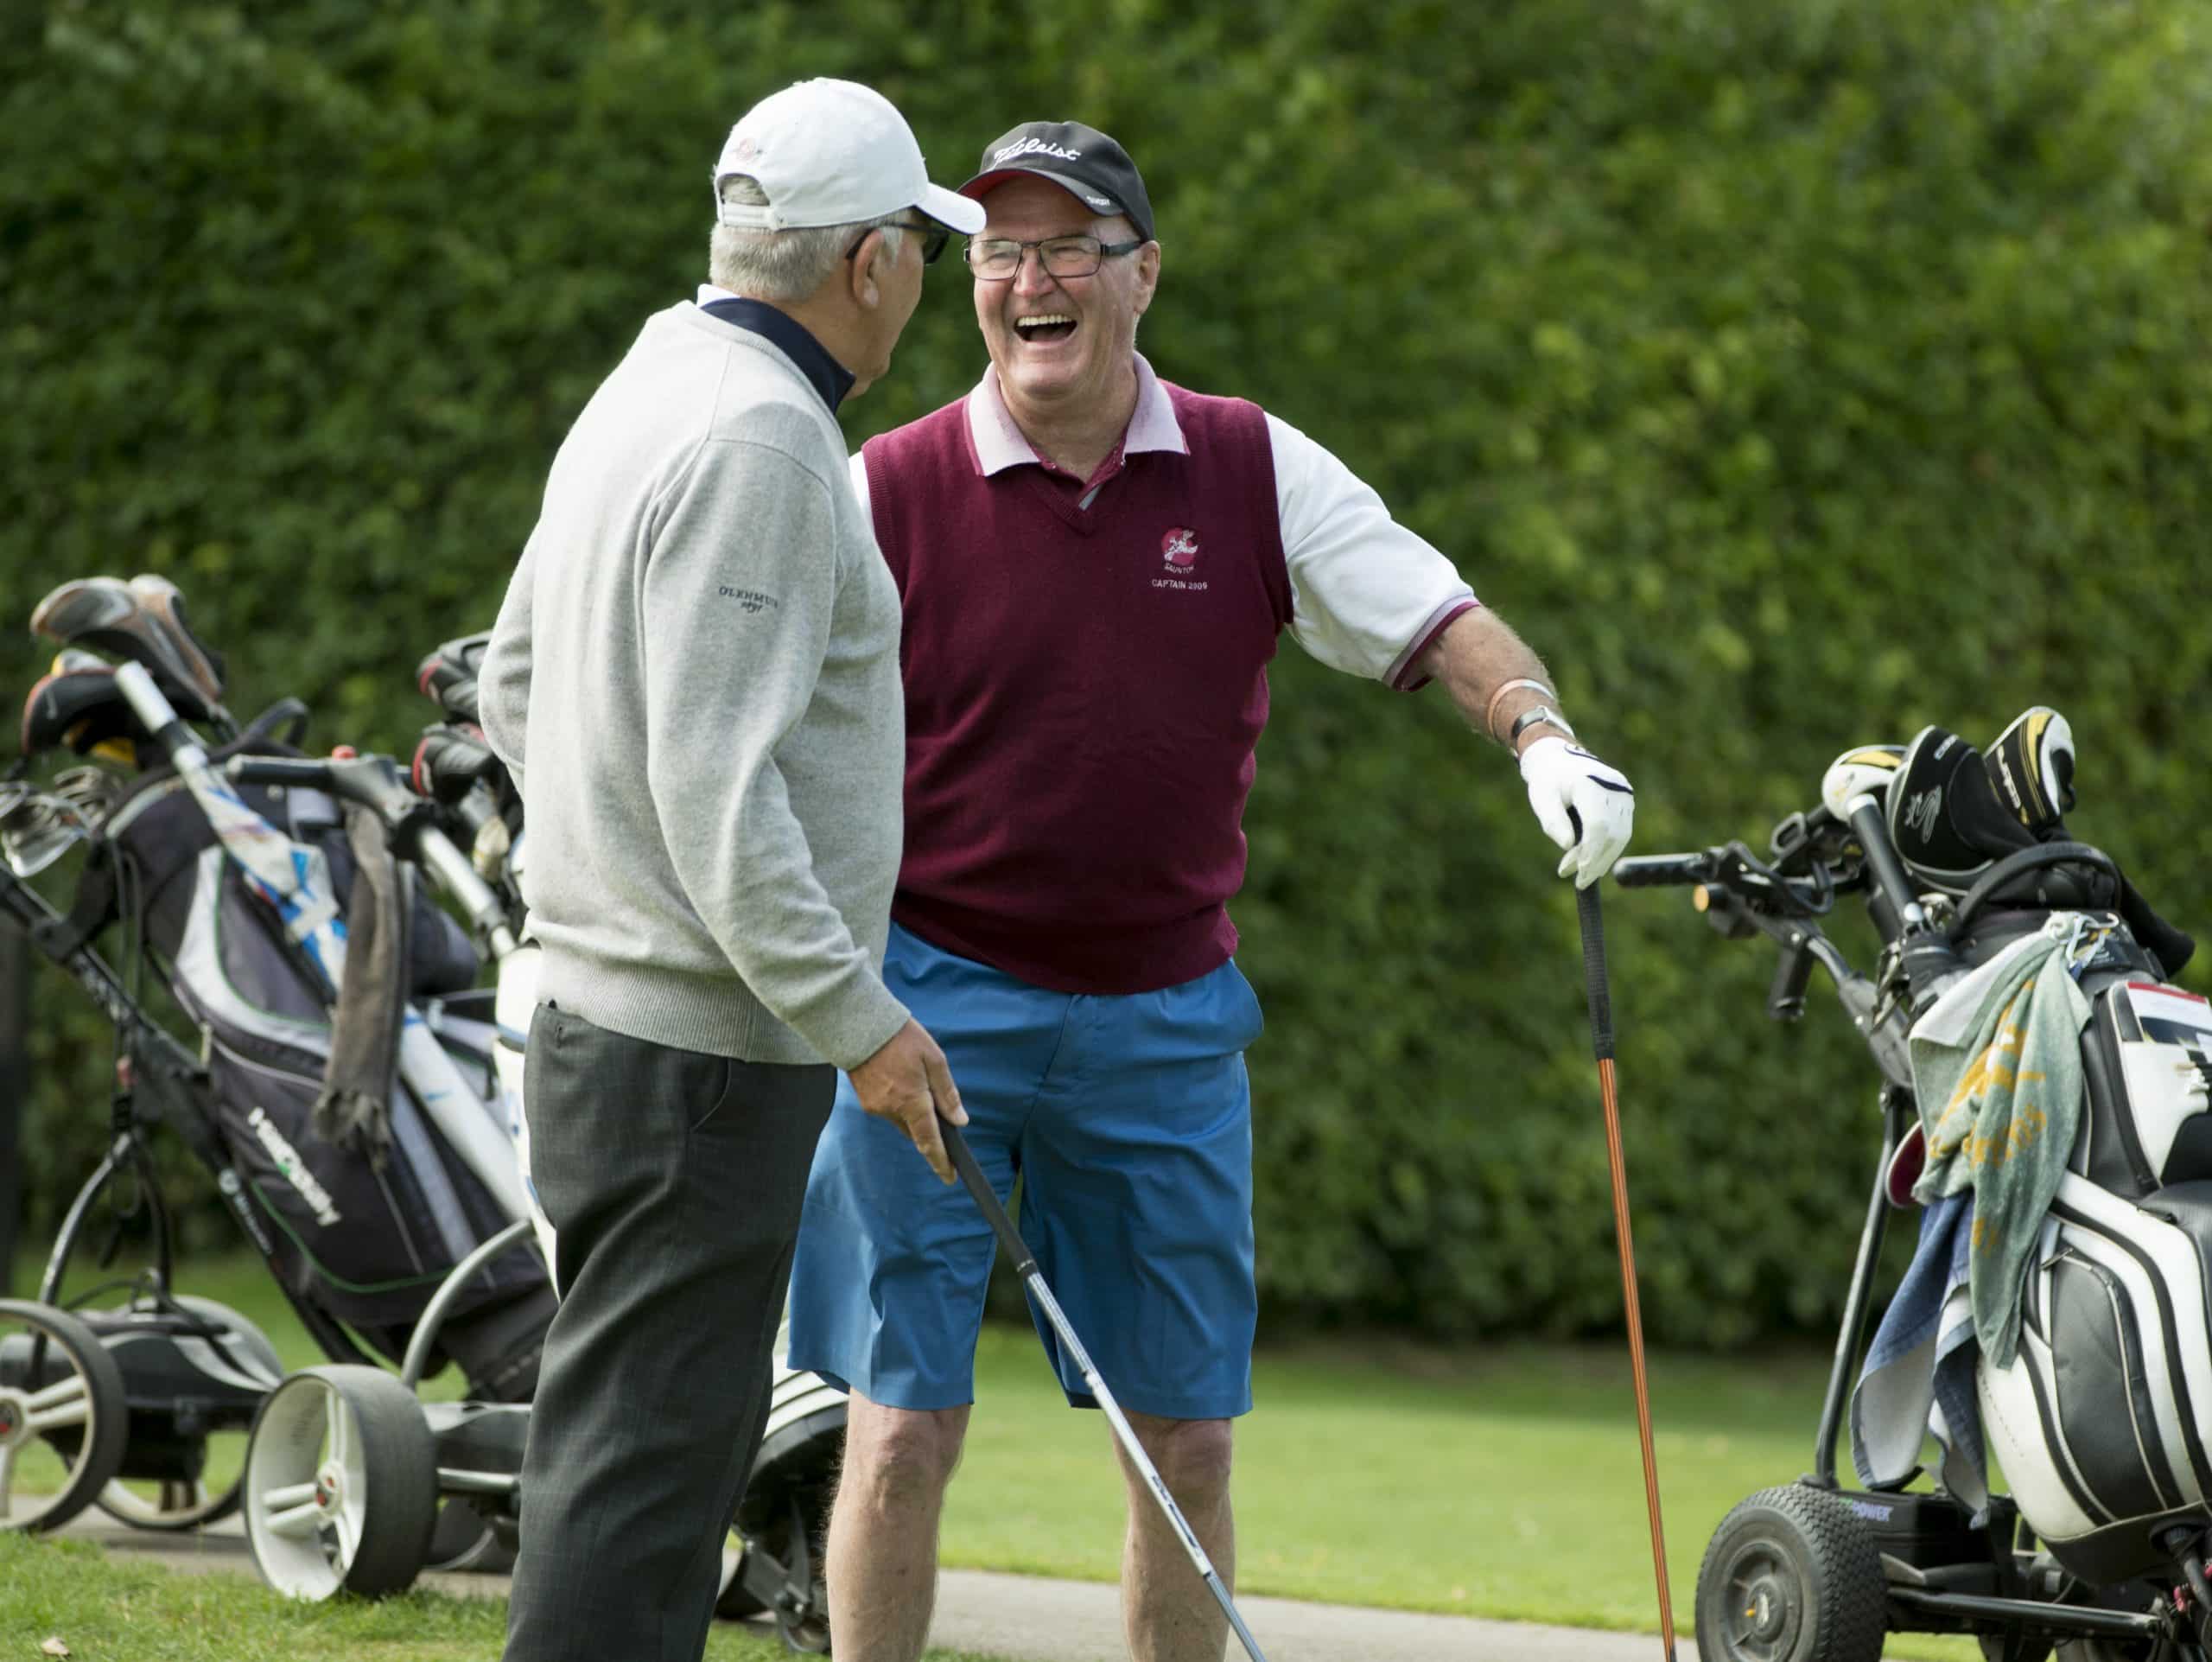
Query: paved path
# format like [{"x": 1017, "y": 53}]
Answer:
[{"x": 1040, "y": 1620}]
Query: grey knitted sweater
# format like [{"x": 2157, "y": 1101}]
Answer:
[{"x": 695, "y": 676}]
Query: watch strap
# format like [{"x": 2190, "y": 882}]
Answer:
[{"x": 1536, "y": 715}]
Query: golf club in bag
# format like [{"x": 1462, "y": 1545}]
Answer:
[
  {"x": 2101, "y": 1418},
  {"x": 1032, "y": 1279}
]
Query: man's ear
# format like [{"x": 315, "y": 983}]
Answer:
[
  {"x": 865, "y": 271},
  {"x": 1148, "y": 276}
]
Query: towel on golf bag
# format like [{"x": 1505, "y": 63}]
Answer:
[
  {"x": 1919, "y": 1371},
  {"x": 354, "y": 1109},
  {"x": 1997, "y": 1069},
  {"x": 1919, "y": 1375}
]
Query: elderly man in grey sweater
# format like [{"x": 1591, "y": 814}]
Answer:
[{"x": 695, "y": 676}]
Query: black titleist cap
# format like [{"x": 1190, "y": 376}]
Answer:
[{"x": 1081, "y": 159}]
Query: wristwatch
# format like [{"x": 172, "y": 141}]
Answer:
[{"x": 1536, "y": 715}]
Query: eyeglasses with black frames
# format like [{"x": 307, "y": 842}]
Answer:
[{"x": 996, "y": 259}]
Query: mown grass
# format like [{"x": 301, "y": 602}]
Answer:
[
  {"x": 1503, "y": 1481},
  {"x": 107, "y": 1608}
]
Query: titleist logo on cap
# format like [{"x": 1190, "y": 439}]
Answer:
[{"x": 1035, "y": 147}]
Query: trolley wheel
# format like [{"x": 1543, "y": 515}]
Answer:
[
  {"x": 464, "y": 1538},
  {"x": 809, "y": 1634},
  {"x": 177, "y": 1505},
  {"x": 788, "y": 1555},
  {"x": 734, "y": 1602},
  {"x": 65, "y": 1419},
  {"x": 1791, "y": 1575},
  {"x": 341, "y": 1484}
]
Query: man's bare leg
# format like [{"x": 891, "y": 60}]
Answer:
[
  {"x": 881, "y": 1565},
  {"x": 1168, "y": 1614}
]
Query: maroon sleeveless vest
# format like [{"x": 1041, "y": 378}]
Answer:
[{"x": 1084, "y": 689}]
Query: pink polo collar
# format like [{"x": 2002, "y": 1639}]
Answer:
[{"x": 1000, "y": 445}]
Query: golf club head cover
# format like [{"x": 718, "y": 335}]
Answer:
[
  {"x": 141, "y": 620},
  {"x": 448, "y": 674},
  {"x": 77, "y": 704},
  {"x": 1863, "y": 770},
  {"x": 2031, "y": 765},
  {"x": 1944, "y": 815},
  {"x": 199, "y": 665},
  {"x": 448, "y": 762},
  {"x": 2032, "y": 769}
]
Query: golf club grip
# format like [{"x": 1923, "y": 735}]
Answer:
[
  {"x": 964, "y": 1161},
  {"x": 1663, "y": 870},
  {"x": 1865, "y": 816},
  {"x": 1593, "y": 970}
]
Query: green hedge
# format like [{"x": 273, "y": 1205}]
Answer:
[{"x": 1793, "y": 374}]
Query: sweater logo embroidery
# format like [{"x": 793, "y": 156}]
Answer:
[
  {"x": 751, "y": 599},
  {"x": 1179, "y": 551}
]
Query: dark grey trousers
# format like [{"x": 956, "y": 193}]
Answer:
[{"x": 673, "y": 1181}]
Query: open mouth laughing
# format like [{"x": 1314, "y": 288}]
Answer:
[{"x": 1044, "y": 326}]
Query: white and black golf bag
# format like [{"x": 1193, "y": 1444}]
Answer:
[{"x": 2103, "y": 1422}]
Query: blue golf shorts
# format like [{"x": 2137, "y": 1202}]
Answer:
[{"x": 1129, "y": 1119}]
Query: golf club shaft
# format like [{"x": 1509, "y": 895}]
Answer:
[
  {"x": 1601, "y": 1035},
  {"x": 964, "y": 1161}
]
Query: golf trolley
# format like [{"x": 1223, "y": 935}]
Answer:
[
  {"x": 235, "y": 890},
  {"x": 98, "y": 1407},
  {"x": 235, "y": 868},
  {"x": 2100, "y": 1548}
]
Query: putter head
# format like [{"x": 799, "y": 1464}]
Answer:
[
  {"x": 141, "y": 620},
  {"x": 78, "y": 703}
]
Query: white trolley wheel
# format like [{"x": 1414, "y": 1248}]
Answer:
[
  {"x": 178, "y": 1505},
  {"x": 61, "y": 1440},
  {"x": 341, "y": 1484}
]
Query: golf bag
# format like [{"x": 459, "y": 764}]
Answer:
[
  {"x": 2102, "y": 1422},
  {"x": 366, "y": 1238}
]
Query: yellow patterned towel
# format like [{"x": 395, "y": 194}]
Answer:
[{"x": 1997, "y": 1067}]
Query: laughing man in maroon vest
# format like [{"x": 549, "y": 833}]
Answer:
[{"x": 1095, "y": 567}]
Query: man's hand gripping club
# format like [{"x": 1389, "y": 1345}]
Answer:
[
  {"x": 909, "y": 1083},
  {"x": 1585, "y": 806}
]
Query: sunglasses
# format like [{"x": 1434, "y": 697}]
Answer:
[{"x": 934, "y": 238}]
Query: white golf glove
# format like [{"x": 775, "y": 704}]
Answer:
[{"x": 1566, "y": 784}]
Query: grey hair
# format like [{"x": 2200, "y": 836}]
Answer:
[{"x": 783, "y": 265}]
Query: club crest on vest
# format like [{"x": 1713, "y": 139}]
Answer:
[{"x": 1180, "y": 548}]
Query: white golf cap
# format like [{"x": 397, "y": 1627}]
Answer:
[{"x": 832, "y": 152}]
